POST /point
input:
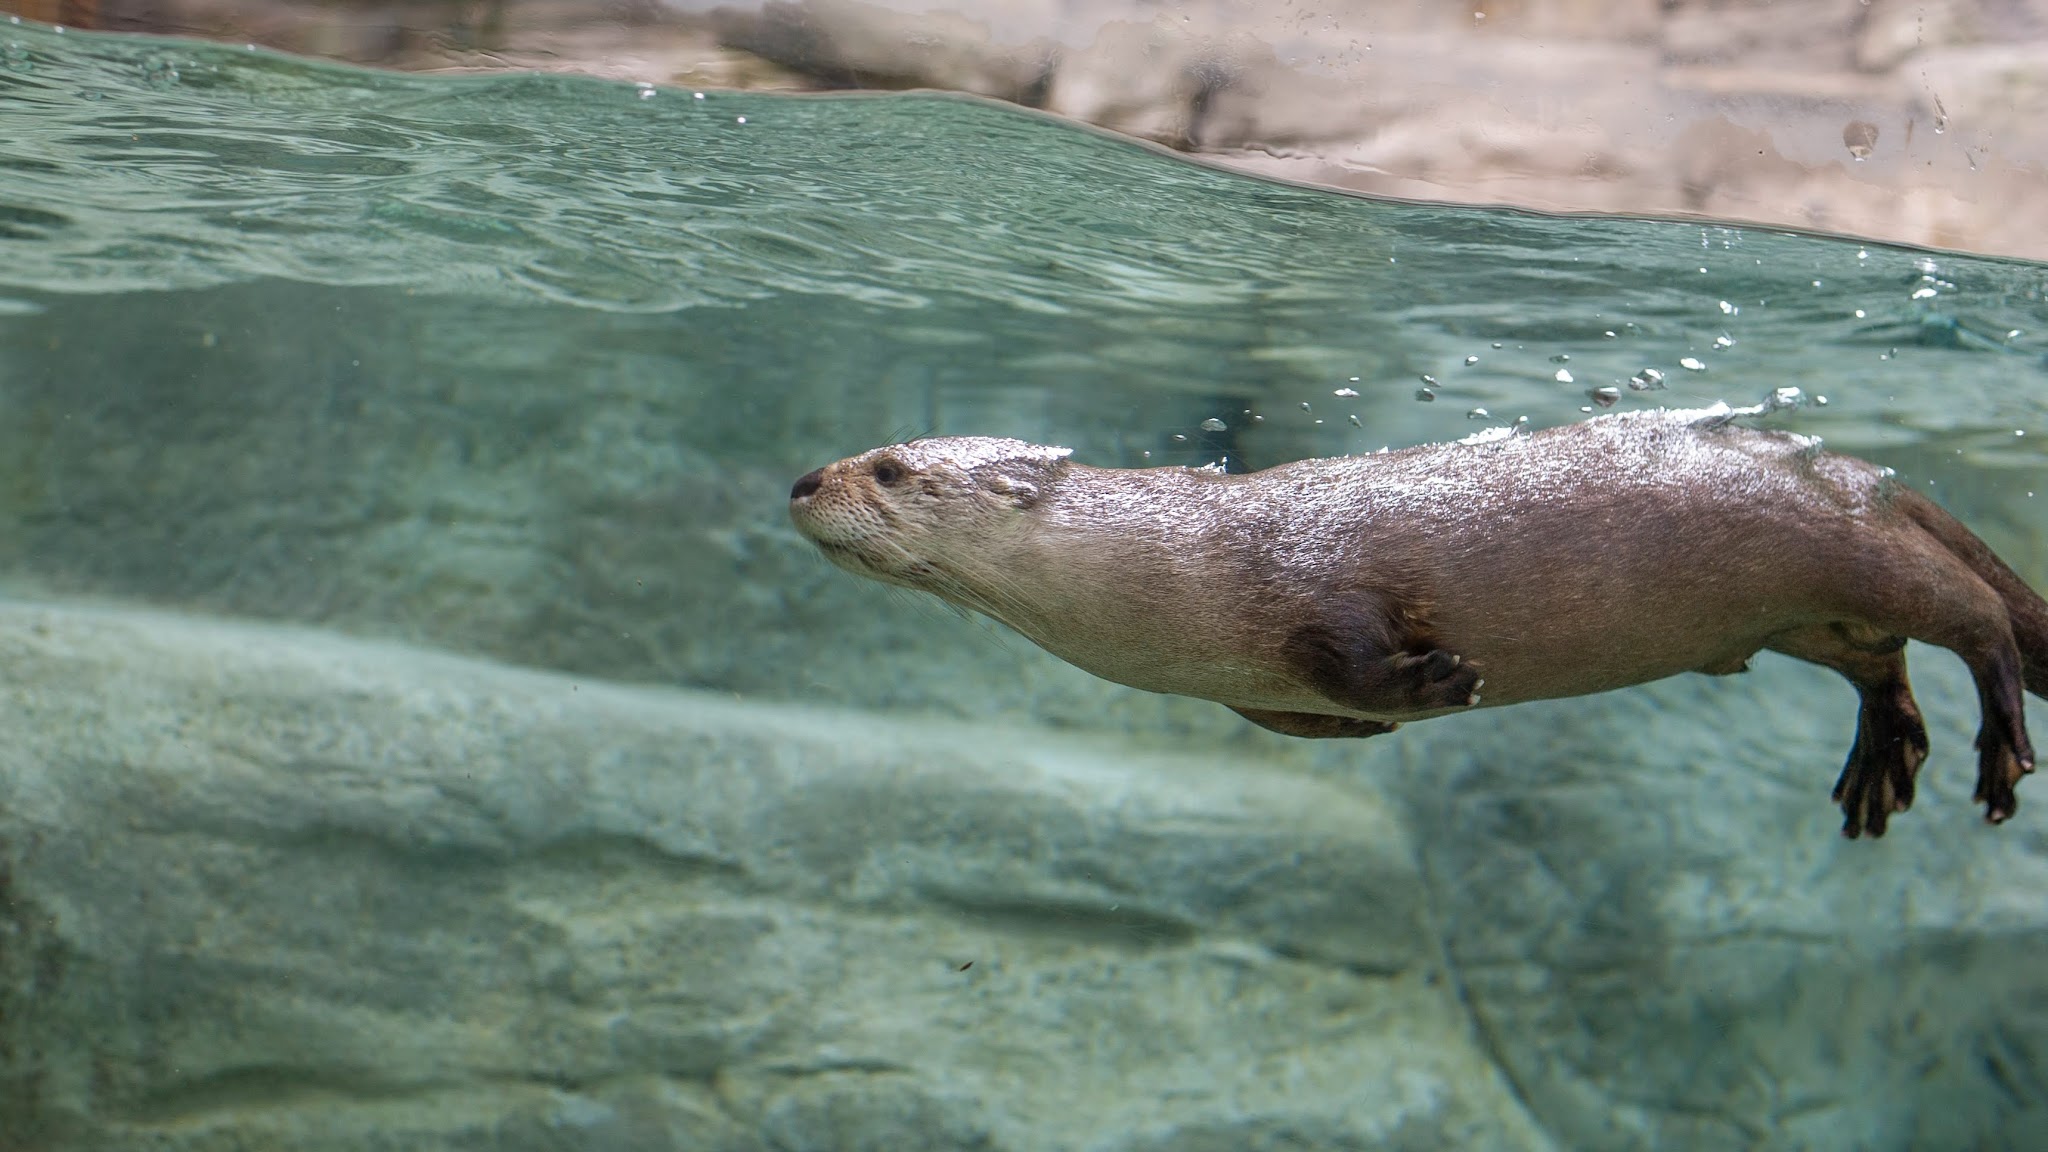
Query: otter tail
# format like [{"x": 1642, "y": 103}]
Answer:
[{"x": 2029, "y": 613}]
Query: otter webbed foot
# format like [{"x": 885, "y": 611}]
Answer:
[
  {"x": 1891, "y": 744},
  {"x": 1998, "y": 774},
  {"x": 1315, "y": 726},
  {"x": 2004, "y": 754}
]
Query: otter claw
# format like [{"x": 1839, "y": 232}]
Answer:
[
  {"x": 1436, "y": 679},
  {"x": 1473, "y": 700}
]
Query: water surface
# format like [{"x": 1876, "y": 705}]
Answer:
[{"x": 966, "y": 251}]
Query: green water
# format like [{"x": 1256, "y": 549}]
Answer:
[{"x": 521, "y": 367}]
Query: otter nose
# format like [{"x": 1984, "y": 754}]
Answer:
[{"x": 808, "y": 486}]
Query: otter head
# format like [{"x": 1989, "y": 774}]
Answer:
[{"x": 930, "y": 514}]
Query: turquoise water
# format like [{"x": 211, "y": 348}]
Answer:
[{"x": 521, "y": 367}]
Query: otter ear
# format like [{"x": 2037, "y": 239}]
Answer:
[{"x": 1021, "y": 492}]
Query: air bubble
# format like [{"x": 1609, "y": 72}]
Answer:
[
  {"x": 1563, "y": 376},
  {"x": 1605, "y": 397},
  {"x": 1692, "y": 364},
  {"x": 1471, "y": 360},
  {"x": 1477, "y": 414},
  {"x": 1345, "y": 392},
  {"x": 1424, "y": 395},
  {"x": 1212, "y": 424}
]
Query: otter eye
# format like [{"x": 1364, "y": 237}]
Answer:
[{"x": 889, "y": 471}]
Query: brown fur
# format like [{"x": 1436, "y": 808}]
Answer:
[{"x": 1341, "y": 597}]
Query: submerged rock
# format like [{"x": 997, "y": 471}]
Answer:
[
  {"x": 273, "y": 888},
  {"x": 267, "y": 887},
  {"x": 1669, "y": 944}
]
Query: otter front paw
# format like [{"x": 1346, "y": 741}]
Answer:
[{"x": 1438, "y": 679}]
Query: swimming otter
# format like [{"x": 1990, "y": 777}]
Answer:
[{"x": 1340, "y": 597}]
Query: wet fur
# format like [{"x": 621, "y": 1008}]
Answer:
[{"x": 1341, "y": 597}]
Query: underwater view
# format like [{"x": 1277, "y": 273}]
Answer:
[{"x": 422, "y": 725}]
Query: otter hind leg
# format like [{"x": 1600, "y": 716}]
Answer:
[
  {"x": 1315, "y": 726},
  {"x": 1877, "y": 780},
  {"x": 1928, "y": 592},
  {"x": 1958, "y": 595},
  {"x": 1966, "y": 616}
]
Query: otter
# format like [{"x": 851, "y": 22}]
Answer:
[{"x": 1342, "y": 597}]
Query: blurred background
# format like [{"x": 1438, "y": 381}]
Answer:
[{"x": 1916, "y": 121}]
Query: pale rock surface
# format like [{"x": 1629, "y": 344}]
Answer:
[
  {"x": 270, "y": 888},
  {"x": 273, "y": 887}
]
